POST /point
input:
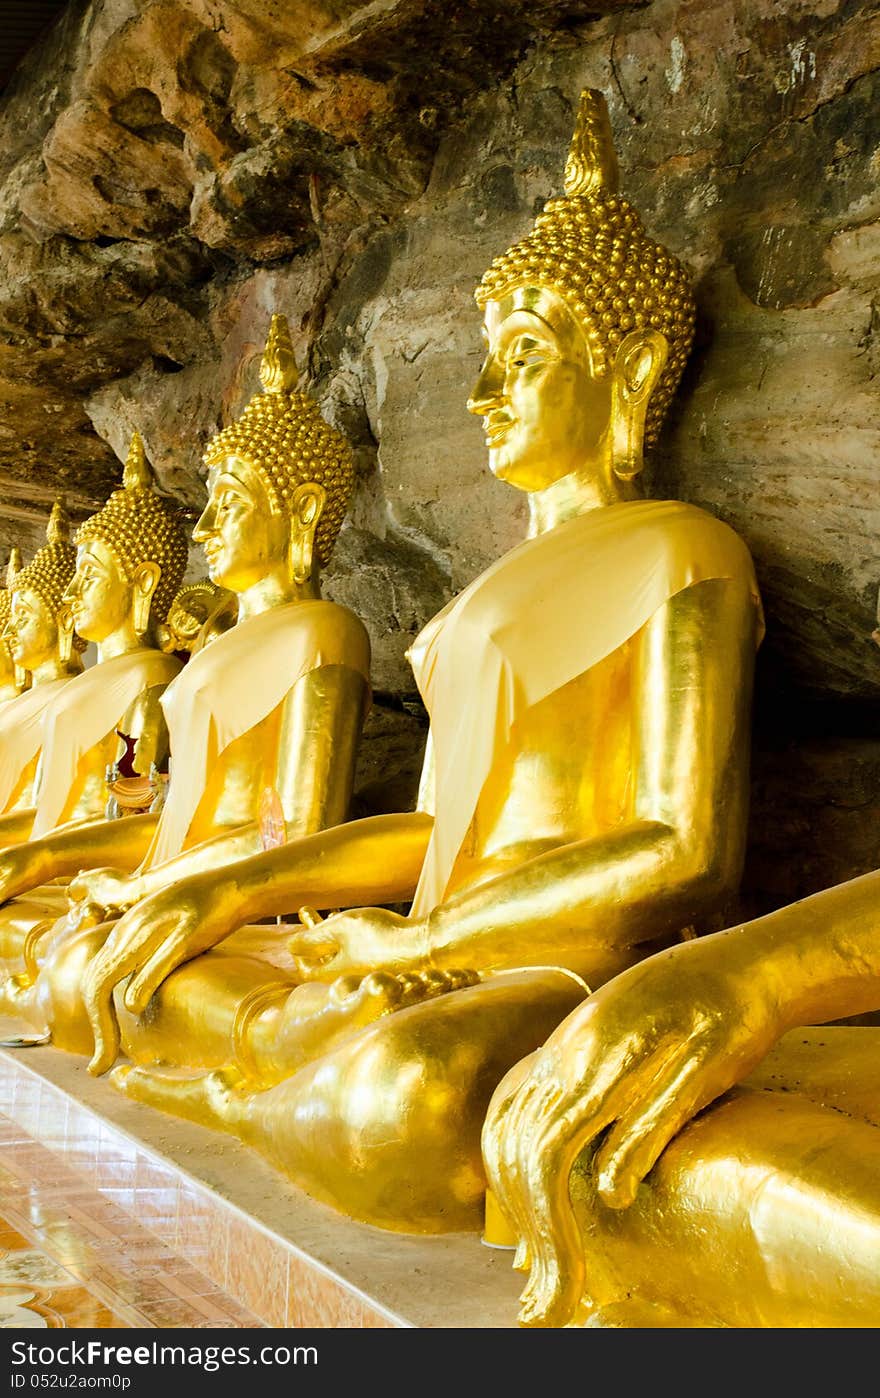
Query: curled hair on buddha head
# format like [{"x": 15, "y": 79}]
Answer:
[
  {"x": 590, "y": 248},
  {"x": 284, "y": 437},
  {"x": 138, "y": 526}
]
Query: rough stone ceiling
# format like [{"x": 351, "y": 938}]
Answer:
[
  {"x": 169, "y": 168},
  {"x": 21, "y": 24},
  {"x": 149, "y": 147}
]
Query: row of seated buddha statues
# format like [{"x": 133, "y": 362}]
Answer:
[
  {"x": 583, "y": 804},
  {"x": 274, "y": 703},
  {"x": 58, "y": 736}
]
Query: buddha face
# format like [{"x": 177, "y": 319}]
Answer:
[
  {"x": 99, "y": 594},
  {"x": 243, "y": 533},
  {"x": 544, "y": 410},
  {"x": 33, "y": 629}
]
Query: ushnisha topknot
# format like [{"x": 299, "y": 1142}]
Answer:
[
  {"x": 52, "y": 567},
  {"x": 284, "y": 437},
  {"x": 590, "y": 247},
  {"x": 137, "y": 525},
  {"x": 13, "y": 567}
]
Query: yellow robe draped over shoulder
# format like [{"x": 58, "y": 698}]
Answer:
[
  {"x": 236, "y": 682},
  {"x": 21, "y": 734},
  {"x": 546, "y": 612}
]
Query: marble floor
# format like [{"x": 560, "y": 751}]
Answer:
[
  {"x": 72, "y": 1257},
  {"x": 156, "y": 1221}
]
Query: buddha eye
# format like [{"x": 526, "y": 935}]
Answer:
[{"x": 526, "y": 358}]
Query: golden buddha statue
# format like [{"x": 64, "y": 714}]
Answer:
[
  {"x": 268, "y": 714},
  {"x": 585, "y": 785},
  {"x": 39, "y": 643},
  {"x": 113, "y": 590},
  {"x": 762, "y": 1211},
  {"x": 12, "y": 678},
  {"x": 199, "y": 613}
]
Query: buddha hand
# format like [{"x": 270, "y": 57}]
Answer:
[
  {"x": 111, "y": 889},
  {"x": 632, "y": 1064},
  {"x": 18, "y": 871},
  {"x": 357, "y": 942},
  {"x": 156, "y": 935}
]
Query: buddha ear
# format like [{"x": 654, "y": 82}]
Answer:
[
  {"x": 306, "y": 510},
  {"x": 64, "y": 620},
  {"x": 144, "y": 583},
  {"x": 637, "y": 367}
]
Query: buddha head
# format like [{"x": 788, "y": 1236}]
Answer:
[
  {"x": 279, "y": 481},
  {"x": 130, "y": 559},
  {"x": 200, "y": 612},
  {"x": 588, "y": 324},
  {"x": 11, "y": 679},
  {"x": 41, "y": 627}
]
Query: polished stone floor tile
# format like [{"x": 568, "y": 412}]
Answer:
[{"x": 80, "y": 1251}]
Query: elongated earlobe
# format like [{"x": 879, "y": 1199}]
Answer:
[
  {"x": 141, "y": 612},
  {"x": 638, "y": 365},
  {"x": 308, "y": 506},
  {"x": 64, "y": 621},
  {"x": 145, "y": 584}
]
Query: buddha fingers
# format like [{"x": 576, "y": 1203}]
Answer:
[
  {"x": 642, "y": 1133},
  {"x": 117, "y": 958}
]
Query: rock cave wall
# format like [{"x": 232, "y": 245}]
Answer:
[{"x": 171, "y": 171}]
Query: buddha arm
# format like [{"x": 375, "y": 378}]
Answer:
[
  {"x": 376, "y": 860},
  {"x": 145, "y": 722},
  {"x": 681, "y": 848},
  {"x": 320, "y": 733},
  {"x": 78, "y": 845},
  {"x": 320, "y": 729},
  {"x": 15, "y": 826},
  {"x": 820, "y": 956}
]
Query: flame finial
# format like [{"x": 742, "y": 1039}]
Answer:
[
  {"x": 136, "y": 474},
  {"x": 592, "y": 161},
  {"x": 58, "y": 528},
  {"x": 278, "y": 371}
]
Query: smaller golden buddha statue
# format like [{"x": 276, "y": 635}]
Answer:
[
  {"x": 200, "y": 612},
  {"x": 271, "y": 706},
  {"x": 584, "y": 791},
  {"x": 12, "y": 678},
  {"x": 40, "y": 643}
]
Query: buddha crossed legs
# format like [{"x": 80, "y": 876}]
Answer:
[
  {"x": 764, "y": 1209},
  {"x": 584, "y": 790}
]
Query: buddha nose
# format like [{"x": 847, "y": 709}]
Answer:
[
  {"x": 204, "y": 524},
  {"x": 487, "y": 392}
]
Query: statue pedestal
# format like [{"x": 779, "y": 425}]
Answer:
[{"x": 219, "y": 1209}]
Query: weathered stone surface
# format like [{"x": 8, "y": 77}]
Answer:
[
  {"x": 389, "y": 761},
  {"x": 815, "y": 818},
  {"x": 171, "y": 171}
]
